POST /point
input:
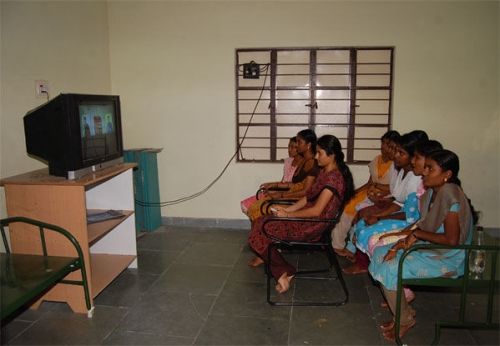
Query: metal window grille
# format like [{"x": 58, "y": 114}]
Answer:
[{"x": 345, "y": 91}]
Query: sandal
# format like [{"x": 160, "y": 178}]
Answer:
[
  {"x": 386, "y": 326},
  {"x": 390, "y": 335}
]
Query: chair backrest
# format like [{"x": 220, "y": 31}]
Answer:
[{"x": 43, "y": 227}]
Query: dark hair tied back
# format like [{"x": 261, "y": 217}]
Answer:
[
  {"x": 391, "y": 135},
  {"x": 331, "y": 145},
  {"x": 448, "y": 161},
  {"x": 309, "y": 137},
  {"x": 408, "y": 141},
  {"x": 426, "y": 147}
]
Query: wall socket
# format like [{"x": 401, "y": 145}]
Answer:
[{"x": 41, "y": 88}]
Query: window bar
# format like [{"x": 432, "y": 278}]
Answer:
[
  {"x": 391, "y": 80},
  {"x": 312, "y": 90},
  {"x": 272, "y": 110},
  {"x": 237, "y": 87},
  {"x": 352, "y": 118}
]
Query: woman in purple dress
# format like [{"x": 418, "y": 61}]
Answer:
[{"x": 332, "y": 188}]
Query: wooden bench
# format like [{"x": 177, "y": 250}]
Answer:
[
  {"x": 489, "y": 282},
  {"x": 26, "y": 277}
]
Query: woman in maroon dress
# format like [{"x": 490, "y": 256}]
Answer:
[{"x": 331, "y": 190}]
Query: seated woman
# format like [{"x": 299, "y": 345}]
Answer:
[
  {"x": 290, "y": 164},
  {"x": 375, "y": 188},
  {"x": 447, "y": 218},
  {"x": 303, "y": 177},
  {"x": 332, "y": 188},
  {"x": 422, "y": 150},
  {"x": 399, "y": 214}
]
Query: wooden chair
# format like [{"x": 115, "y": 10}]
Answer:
[
  {"x": 323, "y": 245},
  {"x": 489, "y": 281}
]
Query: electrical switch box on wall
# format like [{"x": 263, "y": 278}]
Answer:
[{"x": 41, "y": 88}]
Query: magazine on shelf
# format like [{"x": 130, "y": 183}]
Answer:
[{"x": 98, "y": 216}]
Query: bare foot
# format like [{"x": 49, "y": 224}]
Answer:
[
  {"x": 284, "y": 283},
  {"x": 345, "y": 253},
  {"x": 386, "y": 326},
  {"x": 256, "y": 261},
  {"x": 354, "y": 269}
]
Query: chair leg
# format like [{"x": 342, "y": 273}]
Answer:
[
  {"x": 332, "y": 259},
  {"x": 269, "y": 276},
  {"x": 338, "y": 270}
]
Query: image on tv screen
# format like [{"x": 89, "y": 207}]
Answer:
[{"x": 98, "y": 134}]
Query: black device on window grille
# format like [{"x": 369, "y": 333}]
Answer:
[{"x": 251, "y": 70}]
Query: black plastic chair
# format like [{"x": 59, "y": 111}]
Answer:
[{"x": 323, "y": 245}]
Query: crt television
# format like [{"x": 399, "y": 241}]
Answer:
[{"x": 75, "y": 134}]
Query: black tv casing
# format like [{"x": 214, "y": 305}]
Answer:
[{"x": 52, "y": 132}]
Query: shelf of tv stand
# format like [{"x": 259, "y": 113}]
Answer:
[
  {"x": 98, "y": 230},
  {"x": 105, "y": 268}
]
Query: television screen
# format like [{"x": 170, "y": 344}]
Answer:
[{"x": 98, "y": 130}]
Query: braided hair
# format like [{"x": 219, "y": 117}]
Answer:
[{"x": 331, "y": 145}]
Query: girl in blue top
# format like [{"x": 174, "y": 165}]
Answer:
[{"x": 446, "y": 218}]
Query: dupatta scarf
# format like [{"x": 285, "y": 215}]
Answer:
[{"x": 432, "y": 217}]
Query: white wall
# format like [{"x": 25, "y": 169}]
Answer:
[
  {"x": 65, "y": 43},
  {"x": 2, "y": 198},
  {"x": 172, "y": 63}
]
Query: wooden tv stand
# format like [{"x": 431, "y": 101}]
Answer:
[{"x": 108, "y": 247}]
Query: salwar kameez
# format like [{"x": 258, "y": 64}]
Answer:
[{"x": 297, "y": 230}]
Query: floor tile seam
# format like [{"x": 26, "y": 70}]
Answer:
[
  {"x": 117, "y": 325},
  {"x": 273, "y": 318},
  {"x": 183, "y": 290},
  {"x": 219, "y": 291},
  {"x": 209, "y": 313},
  {"x": 23, "y": 331},
  {"x": 117, "y": 306},
  {"x": 214, "y": 265},
  {"x": 160, "y": 333},
  {"x": 20, "y": 319},
  {"x": 174, "y": 290},
  {"x": 217, "y": 297},
  {"x": 39, "y": 315},
  {"x": 190, "y": 295},
  {"x": 235, "y": 261},
  {"x": 147, "y": 291},
  {"x": 157, "y": 251},
  {"x": 182, "y": 252},
  {"x": 155, "y": 333},
  {"x": 290, "y": 318},
  {"x": 218, "y": 243}
]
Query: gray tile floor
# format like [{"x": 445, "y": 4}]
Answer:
[{"x": 193, "y": 287}]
